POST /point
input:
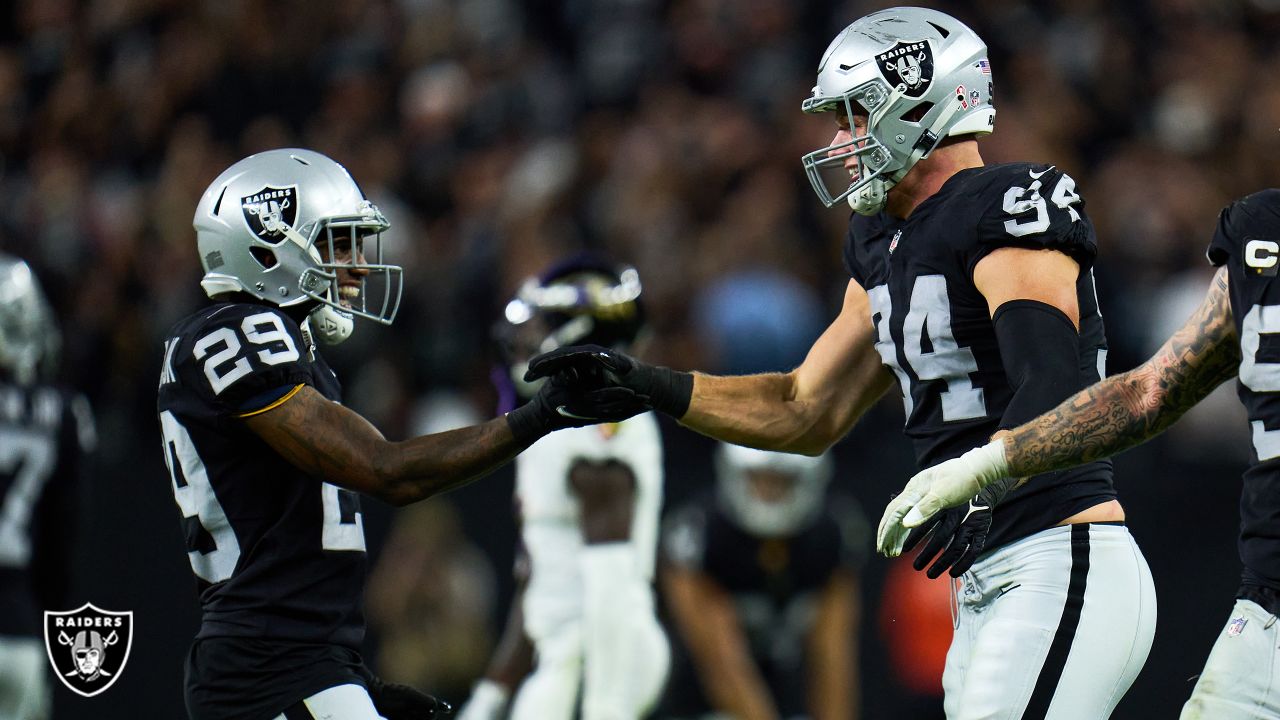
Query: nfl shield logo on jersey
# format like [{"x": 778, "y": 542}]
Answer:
[
  {"x": 1236, "y": 626},
  {"x": 270, "y": 211},
  {"x": 88, "y": 647}
]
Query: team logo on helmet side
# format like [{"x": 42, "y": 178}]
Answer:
[
  {"x": 88, "y": 647},
  {"x": 269, "y": 211},
  {"x": 909, "y": 64}
]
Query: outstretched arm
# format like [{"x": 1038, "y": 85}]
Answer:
[
  {"x": 803, "y": 411},
  {"x": 325, "y": 439},
  {"x": 808, "y": 409},
  {"x": 1128, "y": 409}
]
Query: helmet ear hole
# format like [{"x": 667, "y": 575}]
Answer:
[
  {"x": 917, "y": 113},
  {"x": 264, "y": 257}
]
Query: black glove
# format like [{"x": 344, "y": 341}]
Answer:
[
  {"x": 959, "y": 532},
  {"x": 663, "y": 389},
  {"x": 401, "y": 702},
  {"x": 563, "y": 402}
]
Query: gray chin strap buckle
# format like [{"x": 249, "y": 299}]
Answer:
[{"x": 331, "y": 326}]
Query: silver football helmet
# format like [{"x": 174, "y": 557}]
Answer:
[
  {"x": 29, "y": 338},
  {"x": 918, "y": 76},
  {"x": 281, "y": 225},
  {"x": 770, "y": 494}
]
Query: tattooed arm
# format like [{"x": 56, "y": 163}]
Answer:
[
  {"x": 1126, "y": 410},
  {"x": 1112, "y": 415},
  {"x": 325, "y": 439}
]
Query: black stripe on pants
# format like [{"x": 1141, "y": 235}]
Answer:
[
  {"x": 298, "y": 711},
  {"x": 1056, "y": 660}
]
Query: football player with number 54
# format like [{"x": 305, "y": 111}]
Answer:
[
  {"x": 972, "y": 285},
  {"x": 266, "y": 463}
]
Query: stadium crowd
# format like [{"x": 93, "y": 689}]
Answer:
[{"x": 497, "y": 135}]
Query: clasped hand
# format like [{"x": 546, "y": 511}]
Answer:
[
  {"x": 584, "y": 386},
  {"x": 592, "y": 368}
]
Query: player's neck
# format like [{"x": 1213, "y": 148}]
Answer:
[{"x": 928, "y": 176}]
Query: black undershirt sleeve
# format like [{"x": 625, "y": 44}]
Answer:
[{"x": 1040, "y": 348}]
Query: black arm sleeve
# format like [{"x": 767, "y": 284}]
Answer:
[{"x": 1040, "y": 348}]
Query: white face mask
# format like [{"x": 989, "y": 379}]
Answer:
[{"x": 331, "y": 326}]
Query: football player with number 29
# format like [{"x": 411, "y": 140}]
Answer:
[
  {"x": 972, "y": 284},
  {"x": 265, "y": 462},
  {"x": 1224, "y": 338}
]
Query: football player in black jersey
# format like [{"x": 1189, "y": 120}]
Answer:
[
  {"x": 265, "y": 462},
  {"x": 1227, "y": 336},
  {"x": 761, "y": 580},
  {"x": 44, "y": 435},
  {"x": 971, "y": 284}
]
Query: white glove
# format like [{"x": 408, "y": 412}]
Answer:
[
  {"x": 944, "y": 485},
  {"x": 488, "y": 702}
]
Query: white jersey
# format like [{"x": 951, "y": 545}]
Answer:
[{"x": 550, "y": 514}]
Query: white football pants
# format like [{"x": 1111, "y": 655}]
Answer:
[
  {"x": 1055, "y": 626},
  {"x": 1241, "y": 679},
  {"x": 552, "y": 691}
]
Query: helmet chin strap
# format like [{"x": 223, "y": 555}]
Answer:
[
  {"x": 870, "y": 199},
  {"x": 330, "y": 325}
]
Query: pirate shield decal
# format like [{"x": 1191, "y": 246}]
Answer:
[
  {"x": 909, "y": 64},
  {"x": 88, "y": 647},
  {"x": 270, "y": 211}
]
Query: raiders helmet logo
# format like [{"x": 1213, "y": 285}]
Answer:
[
  {"x": 88, "y": 647},
  {"x": 270, "y": 211},
  {"x": 909, "y": 64}
]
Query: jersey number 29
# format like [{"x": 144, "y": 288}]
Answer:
[{"x": 212, "y": 546}]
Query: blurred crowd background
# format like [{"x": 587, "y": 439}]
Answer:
[{"x": 497, "y": 135}]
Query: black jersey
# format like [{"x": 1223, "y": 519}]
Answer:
[
  {"x": 934, "y": 329},
  {"x": 44, "y": 433},
  {"x": 775, "y": 584},
  {"x": 1247, "y": 242},
  {"x": 277, "y": 553}
]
